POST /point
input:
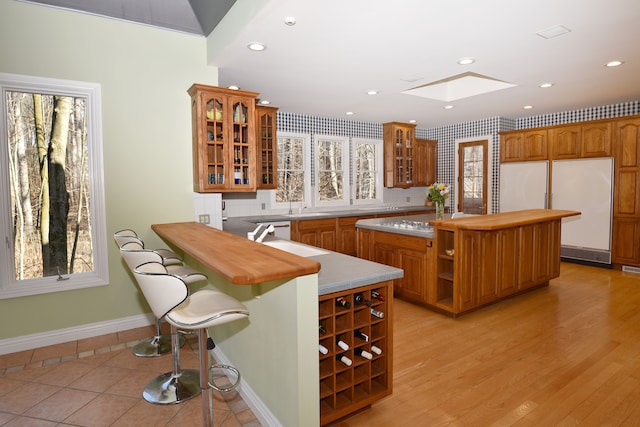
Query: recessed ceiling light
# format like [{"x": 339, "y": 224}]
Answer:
[
  {"x": 372, "y": 92},
  {"x": 528, "y": 107},
  {"x": 412, "y": 121},
  {"x": 466, "y": 61},
  {"x": 256, "y": 46},
  {"x": 290, "y": 21},
  {"x": 552, "y": 32},
  {"x": 614, "y": 63},
  {"x": 233, "y": 87},
  {"x": 545, "y": 85},
  {"x": 264, "y": 102},
  {"x": 350, "y": 113},
  {"x": 448, "y": 107}
]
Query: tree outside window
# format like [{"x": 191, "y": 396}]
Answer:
[{"x": 50, "y": 198}]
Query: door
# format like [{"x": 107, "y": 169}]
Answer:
[{"x": 472, "y": 179}]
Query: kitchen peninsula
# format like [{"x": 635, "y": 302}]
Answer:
[
  {"x": 465, "y": 263},
  {"x": 288, "y": 296}
]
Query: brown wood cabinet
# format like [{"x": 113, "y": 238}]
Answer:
[
  {"x": 426, "y": 162},
  {"x": 412, "y": 254},
  {"x": 480, "y": 264},
  {"x": 592, "y": 139},
  {"x": 336, "y": 234},
  {"x": 522, "y": 146},
  {"x": 267, "y": 152},
  {"x": 399, "y": 154},
  {"x": 626, "y": 201},
  {"x": 344, "y": 388},
  {"x": 316, "y": 232},
  {"x": 346, "y": 234},
  {"x": 223, "y": 134}
]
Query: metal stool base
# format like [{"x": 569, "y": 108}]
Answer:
[
  {"x": 155, "y": 346},
  {"x": 170, "y": 389},
  {"x": 229, "y": 388}
]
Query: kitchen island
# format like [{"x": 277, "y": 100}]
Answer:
[
  {"x": 465, "y": 263},
  {"x": 288, "y": 296}
]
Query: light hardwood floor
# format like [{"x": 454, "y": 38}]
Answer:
[{"x": 567, "y": 354}]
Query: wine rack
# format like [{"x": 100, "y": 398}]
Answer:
[{"x": 347, "y": 389}]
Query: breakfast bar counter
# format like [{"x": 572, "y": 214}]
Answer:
[{"x": 228, "y": 254}]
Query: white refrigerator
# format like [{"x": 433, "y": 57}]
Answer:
[
  {"x": 583, "y": 185},
  {"x": 523, "y": 185}
]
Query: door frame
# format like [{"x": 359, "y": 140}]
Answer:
[{"x": 490, "y": 178}]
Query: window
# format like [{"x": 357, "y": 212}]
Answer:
[
  {"x": 367, "y": 171},
  {"x": 294, "y": 178},
  {"x": 51, "y": 186},
  {"x": 331, "y": 170}
]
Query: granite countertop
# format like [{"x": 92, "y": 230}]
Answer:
[
  {"x": 338, "y": 272},
  {"x": 363, "y": 211},
  {"x": 411, "y": 225}
]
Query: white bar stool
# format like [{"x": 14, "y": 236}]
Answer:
[
  {"x": 134, "y": 254},
  {"x": 168, "y": 296}
]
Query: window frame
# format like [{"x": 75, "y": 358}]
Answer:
[
  {"x": 10, "y": 287},
  {"x": 306, "y": 158},
  {"x": 346, "y": 171},
  {"x": 379, "y": 152}
]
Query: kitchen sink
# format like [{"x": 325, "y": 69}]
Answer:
[{"x": 295, "y": 248}]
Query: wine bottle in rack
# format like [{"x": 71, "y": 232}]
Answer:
[
  {"x": 359, "y": 299},
  {"x": 377, "y": 350},
  {"x": 344, "y": 359},
  {"x": 343, "y": 345},
  {"x": 363, "y": 353},
  {"x": 322, "y": 329},
  {"x": 342, "y": 302},
  {"x": 377, "y": 313},
  {"x": 377, "y": 295},
  {"x": 322, "y": 349},
  {"x": 358, "y": 334}
]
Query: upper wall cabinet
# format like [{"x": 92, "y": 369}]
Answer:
[
  {"x": 426, "y": 162},
  {"x": 223, "y": 133},
  {"x": 523, "y": 146},
  {"x": 267, "y": 160},
  {"x": 581, "y": 141},
  {"x": 399, "y": 154}
]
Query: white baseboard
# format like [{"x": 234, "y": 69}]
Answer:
[
  {"x": 262, "y": 413},
  {"x": 59, "y": 336},
  {"x": 29, "y": 342}
]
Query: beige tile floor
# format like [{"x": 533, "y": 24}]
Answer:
[{"x": 98, "y": 382}]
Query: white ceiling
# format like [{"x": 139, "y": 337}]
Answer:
[{"x": 338, "y": 50}]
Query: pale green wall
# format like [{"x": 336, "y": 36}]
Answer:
[
  {"x": 145, "y": 73},
  {"x": 276, "y": 349}
]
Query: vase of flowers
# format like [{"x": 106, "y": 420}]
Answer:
[{"x": 438, "y": 193}]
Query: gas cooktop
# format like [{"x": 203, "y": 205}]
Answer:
[{"x": 408, "y": 225}]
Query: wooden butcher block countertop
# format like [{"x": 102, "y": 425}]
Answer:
[
  {"x": 236, "y": 258},
  {"x": 504, "y": 220}
]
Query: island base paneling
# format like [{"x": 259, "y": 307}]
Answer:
[
  {"x": 473, "y": 261},
  {"x": 356, "y": 324}
]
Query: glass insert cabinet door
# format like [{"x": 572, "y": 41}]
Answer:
[{"x": 223, "y": 139}]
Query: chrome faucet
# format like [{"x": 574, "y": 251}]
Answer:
[
  {"x": 270, "y": 229},
  {"x": 251, "y": 235}
]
